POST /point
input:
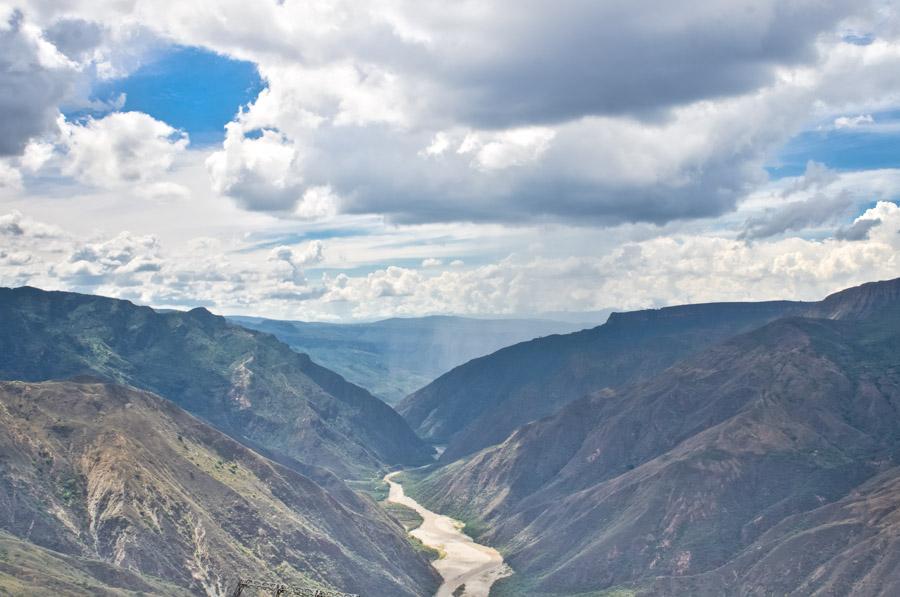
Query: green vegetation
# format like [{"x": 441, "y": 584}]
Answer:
[
  {"x": 517, "y": 585},
  {"x": 430, "y": 553},
  {"x": 374, "y": 487},
  {"x": 409, "y": 518}
]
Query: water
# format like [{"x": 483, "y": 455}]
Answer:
[{"x": 463, "y": 561}]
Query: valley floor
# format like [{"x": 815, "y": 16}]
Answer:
[{"x": 468, "y": 568}]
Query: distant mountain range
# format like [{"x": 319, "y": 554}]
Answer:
[
  {"x": 765, "y": 464},
  {"x": 394, "y": 357}
]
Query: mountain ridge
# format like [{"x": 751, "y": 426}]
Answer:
[
  {"x": 245, "y": 382},
  {"x": 682, "y": 483},
  {"x": 479, "y": 403}
]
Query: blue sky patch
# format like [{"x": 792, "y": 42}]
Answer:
[
  {"x": 861, "y": 148},
  {"x": 189, "y": 88}
]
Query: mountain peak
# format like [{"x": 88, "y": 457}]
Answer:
[{"x": 860, "y": 302}]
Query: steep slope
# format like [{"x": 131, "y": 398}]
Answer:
[
  {"x": 764, "y": 465},
  {"x": 246, "y": 383},
  {"x": 847, "y": 547},
  {"x": 26, "y": 569},
  {"x": 103, "y": 475},
  {"x": 394, "y": 357},
  {"x": 480, "y": 403}
]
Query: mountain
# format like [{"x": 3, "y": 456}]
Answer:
[
  {"x": 394, "y": 357},
  {"x": 768, "y": 464},
  {"x": 106, "y": 489},
  {"x": 246, "y": 383},
  {"x": 481, "y": 402}
]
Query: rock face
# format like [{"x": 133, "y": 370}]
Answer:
[
  {"x": 394, "y": 357},
  {"x": 132, "y": 493},
  {"x": 767, "y": 464},
  {"x": 480, "y": 403},
  {"x": 247, "y": 383}
]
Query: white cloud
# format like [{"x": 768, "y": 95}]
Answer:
[
  {"x": 263, "y": 172},
  {"x": 432, "y": 262},
  {"x": 118, "y": 259},
  {"x": 10, "y": 177},
  {"x": 317, "y": 203},
  {"x": 515, "y": 147},
  {"x": 17, "y": 225},
  {"x": 659, "y": 270},
  {"x": 120, "y": 148},
  {"x": 439, "y": 144},
  {"x": 298, "y": 260},
  {"x": 852, "y": 122},
  {"x": 625, "y": 112}
]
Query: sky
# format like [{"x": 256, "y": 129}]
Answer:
[{"x": 342, "y": 161}]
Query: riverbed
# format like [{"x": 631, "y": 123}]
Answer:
[{"x": 463, "y": 562}]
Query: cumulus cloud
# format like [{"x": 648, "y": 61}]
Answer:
[
  {"x": 120, "y": 148},
  {"x": 116, "y": 260},
  {"x": 513, "y": 147},
  {"x": 656, "y": 271},
  {"x": 317, "y": 203},
  {"x": 15, "y": 224},
  {"x": 625, "y": 112},
  {"x": 262, "y": 173},
  {"x": 298, "y": 260},
  {"x": 35, "y": 79}
]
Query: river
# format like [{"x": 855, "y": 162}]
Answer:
[{"x": 464, "y": 562}]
